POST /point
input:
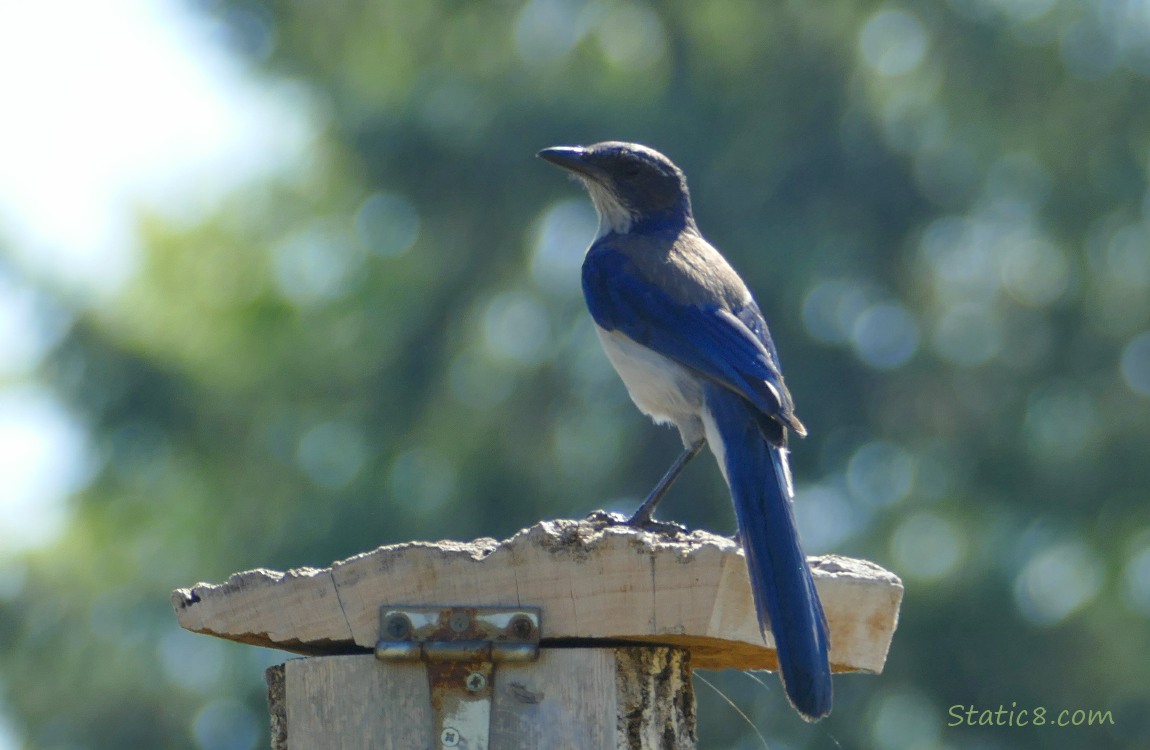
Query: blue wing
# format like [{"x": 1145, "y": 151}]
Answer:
[{"x": 732, "y": 348}]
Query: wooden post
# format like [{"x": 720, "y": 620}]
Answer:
[
  {"x": 683, "y": 602},
  {"x": 587, "y": 698}
]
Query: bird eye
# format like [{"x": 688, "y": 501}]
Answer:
[{"x": 631, "y": 169}]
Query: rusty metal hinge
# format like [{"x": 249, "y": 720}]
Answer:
[{"x": 461, "y": 646}]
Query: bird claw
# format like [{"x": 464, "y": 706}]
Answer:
[
  {"x": 664, "y": 528},
  {"x": 604, "y": 518}
]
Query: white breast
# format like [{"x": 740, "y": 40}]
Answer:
[{"x": 662, "y": 389}]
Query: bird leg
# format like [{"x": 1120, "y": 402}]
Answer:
[{"x": 641, "y": 519}]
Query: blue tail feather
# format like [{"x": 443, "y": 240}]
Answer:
[{"x": 781, "y": 581}]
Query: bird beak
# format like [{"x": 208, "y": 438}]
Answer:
[{"x": 571, "y": 158}]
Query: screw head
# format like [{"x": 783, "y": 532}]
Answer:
[
  {"x": 522, "y": 627},
  {"x": 476, "y": 681},
  {"x": 459, "y": 621},
  {"x": 449, "y": 737},
  {"x": 397, "y": 626}
]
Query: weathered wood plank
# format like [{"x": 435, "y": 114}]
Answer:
[
  {"x": 588, "y": 698},
  {"x": 591, "y": 580}
]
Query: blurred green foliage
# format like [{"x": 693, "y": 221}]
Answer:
[{"x": 943, "y": 211}]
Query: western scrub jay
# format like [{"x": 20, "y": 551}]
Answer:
[{"x": 690, "y": 344}]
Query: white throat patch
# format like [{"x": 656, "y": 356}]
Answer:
[{"x": 613, "y": 215}]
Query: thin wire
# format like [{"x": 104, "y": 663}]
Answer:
[
  {"x": 767, "y": 687},
  {"x": 738, "y": 710},
  {"x": 757, "y": 679}
]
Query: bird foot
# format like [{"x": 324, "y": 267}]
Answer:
[{"x": 665, "y": 528}]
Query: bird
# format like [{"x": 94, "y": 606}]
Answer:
[{"x": 692, "y": 347}]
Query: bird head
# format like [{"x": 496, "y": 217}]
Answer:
[{"x": 632, "y": 186}]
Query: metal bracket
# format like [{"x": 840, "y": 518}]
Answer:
[{"x": 461, "y": 646}]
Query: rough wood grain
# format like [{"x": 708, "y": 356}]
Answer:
[
  {"x": 592, "y": 580},
  {"x": 635, "y": 698}
]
